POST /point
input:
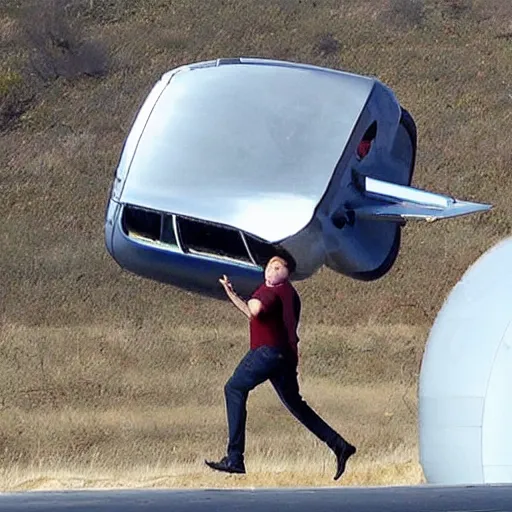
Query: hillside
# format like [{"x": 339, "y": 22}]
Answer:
[{"x": 100, "y": 366}]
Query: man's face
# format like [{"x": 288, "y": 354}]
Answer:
[{"x": 276, "y": 272}]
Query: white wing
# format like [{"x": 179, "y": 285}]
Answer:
[{"x": 401, "y": 203}]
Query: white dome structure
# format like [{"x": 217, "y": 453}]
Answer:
[{"x": 465, "y": 386}]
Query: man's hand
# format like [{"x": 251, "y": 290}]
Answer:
[
  {"x": 235, "y": 299},
  {"x": 226, "y": 283}
]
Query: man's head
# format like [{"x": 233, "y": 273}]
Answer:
[{"x": 277, "y": 271}]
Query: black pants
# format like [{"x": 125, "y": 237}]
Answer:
[{"x": 255, "y": 368}]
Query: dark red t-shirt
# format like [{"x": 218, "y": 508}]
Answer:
[{"x": 276, "y": 325}]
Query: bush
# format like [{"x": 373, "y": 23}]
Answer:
[
  {"x": 56, "y": 44},
  {"x": 9, "y": 81},
  {"x": 15, "y": 97},
  {"x": 457, "y": 8},
  {"x": 405, "y": 12},
  {"x": 327, "y": 45},
  {"x": 53, "y": 46}
]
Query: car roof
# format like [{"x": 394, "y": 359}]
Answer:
[{"x": 251, "y": 143}]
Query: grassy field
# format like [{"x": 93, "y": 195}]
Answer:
[
  {"x": 145, "y": 406},
  {"x": 112, "y": 380}
]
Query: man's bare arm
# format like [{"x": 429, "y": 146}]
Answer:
[
  {"x": 235, "y": 299},
  {"x": 238, "y": 302}
]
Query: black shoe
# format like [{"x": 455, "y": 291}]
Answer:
[
  {"x": 343, "y": 451},
  {"x": 227, "y": 466}
]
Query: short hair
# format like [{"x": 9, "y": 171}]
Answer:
[{"x": 285, "y": 257}]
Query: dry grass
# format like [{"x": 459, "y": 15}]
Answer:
[
  {"x": 100, "y": 367},
  {"x": 116, "y": 408},
  {"x": 398, "y": 469}
]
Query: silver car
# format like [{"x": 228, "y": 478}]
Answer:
[{"x": 231, "y": 161}]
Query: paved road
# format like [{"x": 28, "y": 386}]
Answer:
[{"x": 482, "y": 498}]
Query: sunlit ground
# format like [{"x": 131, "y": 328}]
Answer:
[{"x": 400, "y": 468}]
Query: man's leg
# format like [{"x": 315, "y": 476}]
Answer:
[
  {"x": 255, "y": 368},
  {"x": 248, "y": 374},
  {"x": 287, "y": 387}
]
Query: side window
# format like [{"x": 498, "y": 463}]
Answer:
[{"x": 366, "y": 142}]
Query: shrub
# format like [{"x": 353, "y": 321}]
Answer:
[
  {"x": 405, "y": 12},
  {"x": 15, "y": 97},
  {"x": 327, "y": 45},
  {"x": 9, "y": 81},
  {"x": 457, "y": 8},
  {"x": 56, "y": 43}
]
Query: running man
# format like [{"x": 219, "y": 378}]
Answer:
[{"x": 273, "y": 312}]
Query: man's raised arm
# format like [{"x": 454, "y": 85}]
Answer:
[{"x": 235, "y": 299}]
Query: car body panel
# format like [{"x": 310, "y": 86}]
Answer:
[
  {"x": 266, "y": 140},
  {"x": 229, "y": 161},
  {"x": 173, "y": 266}
]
